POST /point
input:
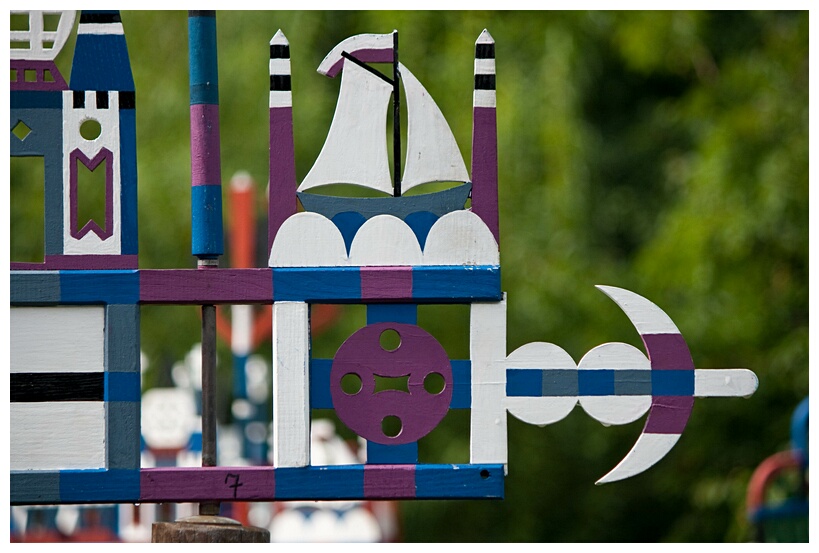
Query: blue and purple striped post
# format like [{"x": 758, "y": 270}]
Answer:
[{"x": 206, "y": 181}]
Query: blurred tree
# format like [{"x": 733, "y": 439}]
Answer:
[{"x": 664, "y": 152}]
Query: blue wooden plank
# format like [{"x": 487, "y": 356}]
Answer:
[
  {"x": 392, "y": 313},
  {"x": 35, "y": 487},
  {"x": 456, "y": 283},
  {"x": 99, "y": 486},
  {"x": 79, "y": 287},
  {"x": 128, "y": 177},
  {"x": 123, "y": 434},
  {"x": 380, "y": 454},
  {"x": 672, "y": 382},
  {"x": 524, "y": 382},
  {"x": 314, "y": 284},
  {"x": 462, "y": 481},
  {"x": 461, "y": 384},
  {"x": 34, "y": 287},
  {"x": 320, "y": 397},
  {"x": 334, "y": 482},
  {"x": 122, "y": 387}
]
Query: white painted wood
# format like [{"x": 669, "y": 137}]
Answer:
[
  {"x": 57, "y": 435},
  {"x": 385, "y": 240},
  {"x": 43, "y": 44},
  {"x": 168, "y": 418},
  {"x": 108, "y": 118},
  {"x": 649, "y": 449},
  {"x": 241, "y": 329},
  {"x": 540, "y": 410},
  {"x": 461, "y": 238},
  {"x": 615, "y": 409},
  {"x": 308, "y": 240},
  {"x": 646, "y": 317},
  {"x": 355, "y": 151},
  {"x": 57, "y": 339},
  {"x": 484, "y": 99},
  {"x": 291, "y": 384},
  {"x": 367, "y": 41},
  {"x": 487, "y": 352},
  {"x": 724, "y": 383},
  {"x": 432, "y": 152}
]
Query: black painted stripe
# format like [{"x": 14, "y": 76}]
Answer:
[
  {"x": 279, "y": 51},
  {"x": 485, "y": 51},
  {"x": 279, "y": 82},
  {"x": 38, "y": 387},
  {"x": 484, "y": 82},
  {"x": 100, "y": 17},
  {"x": 201, "y": 13},
  {"x": 127, "y": 99},
  {"x": 79, "y": 99},
  {"x": 102, "y": 99}
]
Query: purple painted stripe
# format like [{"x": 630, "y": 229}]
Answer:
[
  {"x": 485, "y": 168},
  {"x": 668, "y": 352},
  {"x": 282, "y": 196},
  {"x": 187, "y": 484},
  {"x": 39, "y": 67},
  {"x": 389, "y": 481},
  {"x": 200, "y": 286},
  {"x": 669, "y": 414},
  {"x": 386, "y": 283},
  {"x": 206, "y": 167},
  {"x": 80, "y": 262},
  {"x": 367, "y": 55},
  {"x": 73, "y": 194}
]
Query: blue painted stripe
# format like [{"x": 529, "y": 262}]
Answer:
[
  {"x": 524, "y": 382},
  {"x": 206, "y": 220},
  {"x": 122, "y": 386},
  {"x": 320, "y": 397},
  {"x": 34, "y": 287},
  {"x": 457, "y": 283},
  {"x": 99, "y": 486},
  {"x": 204, "y": 74},
  {"x": 461, "y": 481},
  {"x": 380, "y": 454},
  {"x": 79, "y": 287},
  {"x": 430, "y": 284},
  {"x": 32, "y": 487},
  {"x": 320, "y": 482},
  {"x": 462, "y": 384},
  {"x": 392, "y": 313},
  {"x": 43, "y": 99},
  {"x": 598, "y": 382},
  {"x": 128, "y": 174},
  {"x": 314, "y": 284},
  {"x": 672, "y": 383},
  {"x": 101, "y": 63}
]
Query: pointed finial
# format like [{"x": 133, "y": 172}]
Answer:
[{"x": 485, "y": 38}]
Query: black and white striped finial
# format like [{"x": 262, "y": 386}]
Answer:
[
  {"x": 484, "y": 95},
  {"x": 280, "y": 88}
]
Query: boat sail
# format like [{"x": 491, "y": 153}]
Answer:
[{"x": 356, "y": 150}]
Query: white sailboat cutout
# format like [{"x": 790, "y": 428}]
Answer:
[{"x": 356, "y": 150}]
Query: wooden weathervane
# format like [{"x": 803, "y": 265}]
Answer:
[{"x": 75, "y": 366}]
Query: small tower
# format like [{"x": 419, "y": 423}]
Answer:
[{"x": 101, "y": 91}]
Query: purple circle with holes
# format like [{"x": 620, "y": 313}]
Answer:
[{"x": 394, "y": 393}]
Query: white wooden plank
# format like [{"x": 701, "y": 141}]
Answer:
[
  {"x": 724, "y": 383},
  {"x": 541, "y": 410},
  {"x": 57, "y": 339},
  {"x": 487, "y": 352},
  {"x": 385, "y": 240},
  {"x": 308, "y": 240},
  {"x": 57, "y": 435},
  {"x": 615, "y": 409},
  {"x": 291, "y": 384},
  {"x": 649, "y": 449},
  {"x": 461, "y": 238},
  {"x": 646, "y": 317}
]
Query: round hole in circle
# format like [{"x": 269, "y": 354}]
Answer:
[
  {"x": 351, "y": 384},
  {"x": 390, "y": 340},
  {"x": 434, "y": 383},
  {"x": 391, "y": 426},
  {"x": 484, "y": 474},
  {"x": 90, "y": 129}
]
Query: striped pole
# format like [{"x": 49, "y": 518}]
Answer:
[
  {"x": 485, "y": 136},
  {"x": 282, "y": 192},
  {"x": 206, "y": 207},
  {"x": 206, "y": 181}
]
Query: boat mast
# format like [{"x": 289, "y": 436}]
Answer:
[{"x": 396, "y": 110}]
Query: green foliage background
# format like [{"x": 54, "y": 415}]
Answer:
[{"x": 663, "y": 152}]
